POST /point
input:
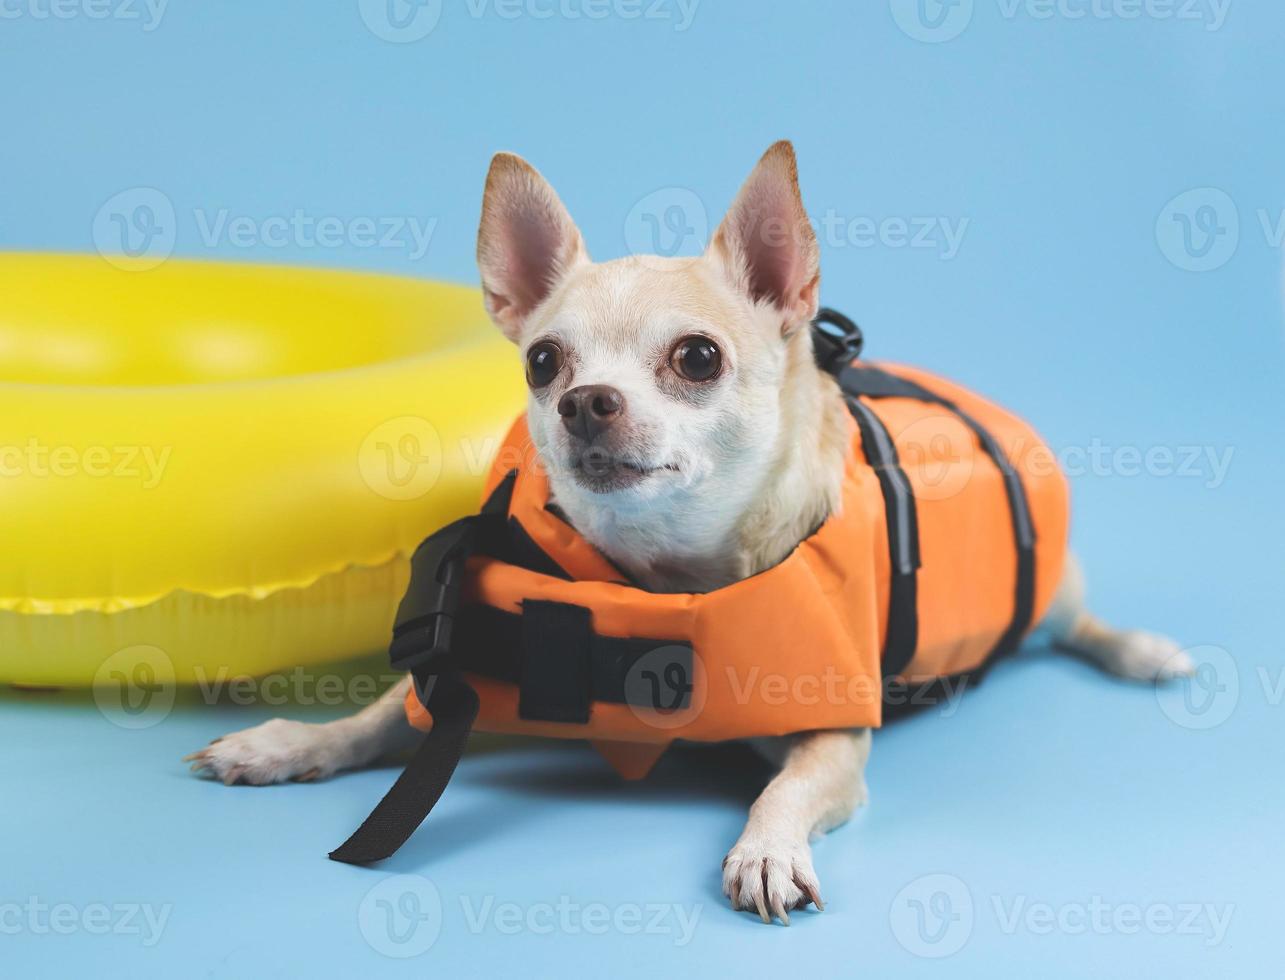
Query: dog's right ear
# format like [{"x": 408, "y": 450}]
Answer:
[{"x": 526, "y": 243}]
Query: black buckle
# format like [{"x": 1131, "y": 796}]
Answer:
[
  {"x": 426, "y": 616},
  {"x": 836, "y": 340}
]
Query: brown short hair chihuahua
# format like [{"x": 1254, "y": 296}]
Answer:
[{"x": 693, "y": 379}]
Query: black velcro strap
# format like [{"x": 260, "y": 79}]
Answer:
[
  {"x": 454, "y": 707},
  {"x": 872, "y": 382},
  {"x": 645, "y": 673},
  {"x": 902, "y": 635},
  {"x": 555, "y": 680},
  {"x": 550, "y": 651}
]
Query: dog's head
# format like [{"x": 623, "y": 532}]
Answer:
[{"x": 652, "y": 380}]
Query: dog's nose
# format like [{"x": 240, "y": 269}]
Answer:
[{"x": 589, "y": 409}]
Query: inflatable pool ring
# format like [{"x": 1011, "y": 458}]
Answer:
[{"x": 224, "y": 468}]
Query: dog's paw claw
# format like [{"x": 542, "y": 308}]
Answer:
[
  {"x": 771, "y": 877},
  {"x": 810, "y": 890}
]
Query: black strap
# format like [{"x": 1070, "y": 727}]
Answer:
[
  {"x": 837, "y": 343},
  {"x": 646, "y": 673},
  {"x": 902, "y": 635},
  {"x": 871, "y": 382},
  {"x": 454, "y": 705},
  {"x": 423, "y": 637},
  {"x": 555, "y": 680},
  {"x": 549, "y": 650}
]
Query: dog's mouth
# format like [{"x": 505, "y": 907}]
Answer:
[{"x": 598, "y": 470}]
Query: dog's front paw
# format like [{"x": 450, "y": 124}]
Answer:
[
  {"x": 273, "y": 752},
  {"x": 770, "y": 875}
]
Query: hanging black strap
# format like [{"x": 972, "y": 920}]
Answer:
[
  {"x": 423, "y": 635},
  {"x": 549, "y": 650},
  {"x": 454, "y": 705}
]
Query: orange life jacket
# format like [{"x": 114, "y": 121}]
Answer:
[{"x": 947, "y": 547}]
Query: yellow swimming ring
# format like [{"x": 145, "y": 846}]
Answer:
[{"x": 226, "y": 466}]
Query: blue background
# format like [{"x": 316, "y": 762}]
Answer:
[{"x": 1062, "y": 141}]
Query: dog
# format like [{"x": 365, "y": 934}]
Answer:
[{"x": 688, "y": 434}]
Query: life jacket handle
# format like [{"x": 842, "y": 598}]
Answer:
[{"x": 836, "y": 340}]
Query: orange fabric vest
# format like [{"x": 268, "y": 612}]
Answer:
[{"x": 948, "y": 546}]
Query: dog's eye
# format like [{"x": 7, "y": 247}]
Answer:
[
  {"x": 697, "y": 358},
  {"x": 543, "y": 362}
]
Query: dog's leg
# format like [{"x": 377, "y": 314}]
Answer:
[
  {"x": 279, "y": 750},
  {"x": 1135, "y": 654},
  {"x": 821, "y": 783}
]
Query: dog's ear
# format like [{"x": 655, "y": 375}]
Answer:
[
  {"x": 766, "y": 244},
  {"x": 526, "y": 242}
]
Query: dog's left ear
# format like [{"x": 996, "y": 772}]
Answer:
[{"x": 766, "y": 244}]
